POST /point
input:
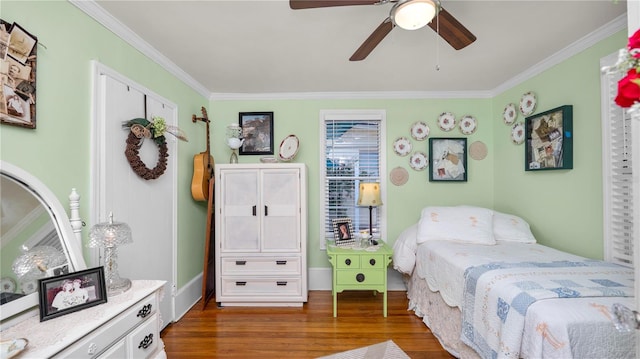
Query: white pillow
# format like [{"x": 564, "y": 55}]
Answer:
[
  {"x": 510, "y": 228},
  {"x": 404, "y": 250},
  {"x": 461, "y": 223}
]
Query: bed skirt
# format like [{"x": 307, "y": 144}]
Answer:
[{"x": 444, "y": 321}]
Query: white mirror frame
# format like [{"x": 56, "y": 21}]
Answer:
[{"x": 15, "y": 310}]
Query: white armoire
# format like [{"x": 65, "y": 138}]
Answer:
[{"x": 261, "y": 234}]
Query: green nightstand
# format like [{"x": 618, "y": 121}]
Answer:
[{"x": 359, "y": 269}]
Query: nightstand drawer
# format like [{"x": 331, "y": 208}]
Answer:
[
  {"x": 346, "y": 261},
  {"x": 260, "y": 265},
  {"x": 261, "y": 286},
  {"x": 372, "y": 261},
  {"x": 358, "y": 277}
]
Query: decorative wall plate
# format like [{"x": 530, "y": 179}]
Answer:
[
  {"x": 8, "y": 285},
  {"x": 419, "y": 130},
  {"x": 29, "y": 286},
  {"x": 517, "y": 133},
  {"x": 468, "y": 125},
  {"x": 288, "y": 148},
  {"x": 418, "y": 161},
  {"x": 509, "y": 114},
  {"x": 478, "y": 150},
  {"x": 528, "y": 103},
  {"x": 402, "y": 146},
  {"x": 446, "y": 121},
  {"x": 399, "y": 176}
]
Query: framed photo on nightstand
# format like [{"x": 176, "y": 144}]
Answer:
[{"x": 343, "y": 231}]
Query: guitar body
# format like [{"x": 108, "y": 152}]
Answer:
[
  {"x": 202, "y": 172},
  {"x": 202, "y": 166}
]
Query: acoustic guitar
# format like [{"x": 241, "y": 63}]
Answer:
[{"x": 202, "y": 166}]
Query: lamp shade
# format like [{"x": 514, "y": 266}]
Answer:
[
  {"x": 413, "y": 14},
  {"x": 109, "y": 234},
  {"x": 35, "y": 262},
  {"x": 369, "y": 194}
]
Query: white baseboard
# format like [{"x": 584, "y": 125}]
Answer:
[
  {"x": 188, "y": 296},
  {"x": 319, "y": 279}
]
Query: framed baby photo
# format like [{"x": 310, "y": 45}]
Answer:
[
  {"x": 71, "y": 292},
  {"x": 257, "y": 132},
  {"x": 448, "y": 158},
  {"x": 549, "y": 140}
]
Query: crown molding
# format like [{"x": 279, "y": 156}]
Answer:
[
  {"x": 95, "y": 11},
  {"x": 362, "y": 95},
  {"x": 575, "y": 48},
  {"x": 98, "y": 13}
]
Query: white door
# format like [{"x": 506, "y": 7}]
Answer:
[
  {"x": 148, "y": 206},
  {"x": 240, "y": 210}
]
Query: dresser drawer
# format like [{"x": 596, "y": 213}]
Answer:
[
  {"x": 102, "y": 338},
  {"x": 260, "y": 265},
  {"x": 372, "y": 261},
  {"x": 261, "y": 286},
  {"x": 144, "y": 340},
  {"x": 357, "y": 277},
  {"x": 344, "y": 261}
]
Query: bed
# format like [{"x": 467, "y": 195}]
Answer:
[{"x": 487, "y": 289}]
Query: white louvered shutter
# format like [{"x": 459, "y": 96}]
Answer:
[{"x": 617, "y": 167}]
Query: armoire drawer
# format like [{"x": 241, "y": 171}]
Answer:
[
  {"x": 102, "y": 338},
  {"x": 261, "y": 286},
  {"x": 260, "y": 265}
]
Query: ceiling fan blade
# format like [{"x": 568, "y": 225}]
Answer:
[
  {"x": 372, "y": 41},
  {"x": 452, "y": 30},
  {"x": 311, "y": 4}
]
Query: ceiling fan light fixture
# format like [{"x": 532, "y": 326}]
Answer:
[{"x": 413, "y": 14}]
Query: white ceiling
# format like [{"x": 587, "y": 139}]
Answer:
[{"x": 264, "y": 47}]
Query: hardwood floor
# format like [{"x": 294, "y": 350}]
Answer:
[{"x": 307, "y": 332}]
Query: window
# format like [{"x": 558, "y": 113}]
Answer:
[
  {"x": 351, "y": 153},
  {"x": 617, "y": 173}
]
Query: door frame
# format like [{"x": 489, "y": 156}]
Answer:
[{"x": 97, "y": 176}]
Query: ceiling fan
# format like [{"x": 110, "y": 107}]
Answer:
[{"x": 407, "y": 14}]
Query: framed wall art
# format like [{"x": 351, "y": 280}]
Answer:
[
  {"x": 549, "y": 140},
  {"x": 448, "y": 158},
  {"x": 71, "y": 292},
  {"x": 343, "y": 231},
  {"x": 18, "y": 50},
  {"x": 257, "y": 132}
]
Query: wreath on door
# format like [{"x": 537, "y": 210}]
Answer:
[{"x": 140, "y": 129}]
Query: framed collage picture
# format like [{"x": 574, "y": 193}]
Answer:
[
  {"x": 448, "y": 159},
  {"x": 257, "y": 132},
  {"x": 549, "y": 140}
]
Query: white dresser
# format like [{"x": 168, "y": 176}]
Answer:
[
  {"x": 261, "y": 234},
  {"x": 127, "y": 326}
]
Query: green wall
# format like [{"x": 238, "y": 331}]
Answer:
[
  {"x": 564, "y": 207},
  {"x": 58, "y": 150}
]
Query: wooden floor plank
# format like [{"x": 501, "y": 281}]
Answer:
[{"x": 307, "y": 332}]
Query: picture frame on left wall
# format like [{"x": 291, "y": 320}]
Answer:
[
  {"x": 18, "y": 54},
  {"x": 71, "y": 292}
]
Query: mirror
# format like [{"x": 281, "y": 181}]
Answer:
[{"x": 33, "y": 226}]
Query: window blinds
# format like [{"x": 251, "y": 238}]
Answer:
[
  {"x": 351, "y": 155},
  {"x": 617, "y": 176}
]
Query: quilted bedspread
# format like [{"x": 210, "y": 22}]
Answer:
[{"x": 497, "y": 295}]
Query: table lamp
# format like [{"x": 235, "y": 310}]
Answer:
[
  {"x": 109, "y": 236},
  {"x": 34, "y": 262},
  {"x": 369, "y": 195}
]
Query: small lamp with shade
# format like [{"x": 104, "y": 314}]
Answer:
[{"x": 369, "y": 196}]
